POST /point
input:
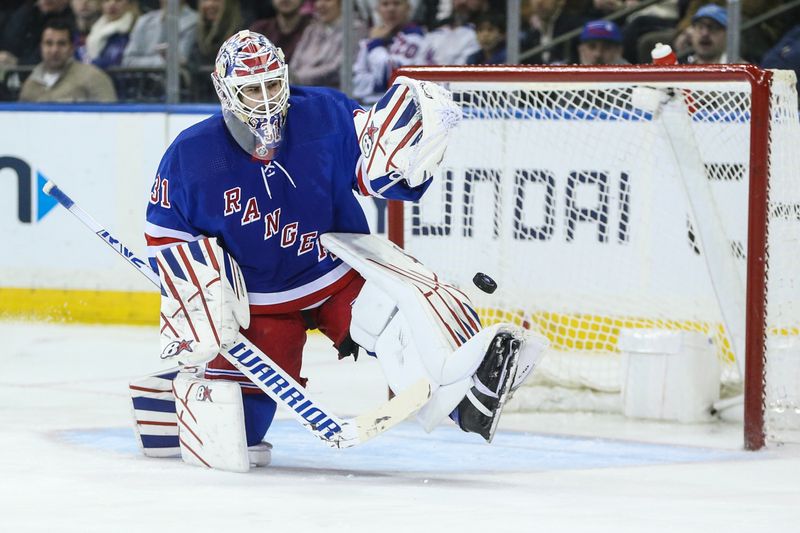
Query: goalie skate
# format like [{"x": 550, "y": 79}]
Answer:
[{"x": 479, "y": 412}]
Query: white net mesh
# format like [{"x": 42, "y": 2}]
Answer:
[
  {"x": 595, "y": 211},
  {"x": 782, "y": 390}
]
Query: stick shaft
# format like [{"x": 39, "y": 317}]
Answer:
[
  {"x": 269, "y": 376},
  {"x": 52, "y": 189}
]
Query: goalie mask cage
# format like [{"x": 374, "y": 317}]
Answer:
[{"x": 603, "y": 198}]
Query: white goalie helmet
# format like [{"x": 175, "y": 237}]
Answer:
[{"x": 252, "y": 81}]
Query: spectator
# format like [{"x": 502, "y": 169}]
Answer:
[
  {"x": 253, "y": 10},
  {"x": 393, "y": 43},
  {"x": 86, "y": 12},
  {"x": 600, "y": 44},
  {"x": 491, "y": 33},
  {"x": 148, "y": 47},
  {"x": 59, "y": 78},
  {"x": 546, "y": 20},
  {"x": 286, "y": 27},
  {"x": 454, "y": 40},
  {"x": 7, "y": 60},
  {"x": 367, "y": 10},
  {"x": 106, "y": 43},
  {"x": 785, "y": 54},
  {"x": 707, "y": 36},
  {"x": 318, "y": 56},
  {"x": 19, "y": 43},
  {"x": 756, "y": 40},
  {"x": 656, "y": 21},
  {"x": 219, "y": 19}
]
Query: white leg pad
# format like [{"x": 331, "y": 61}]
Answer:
[
  {"x": 372, "y": 311},
  {"x": 467, "y": 358},
  {"x": 211, "y": 423},
  {"x": 442, "y": 403},
  {"x": 398, "y": 356},
  {"x": 380, "y": 327}
]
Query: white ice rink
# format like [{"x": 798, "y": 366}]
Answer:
[{"x": 69, "y": 462}]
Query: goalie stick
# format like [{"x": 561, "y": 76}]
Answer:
[{"x": 335, "y": 431}]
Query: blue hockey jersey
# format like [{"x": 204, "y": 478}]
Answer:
[{"x": 269, "y": 214}]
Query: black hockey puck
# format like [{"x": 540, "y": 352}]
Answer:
[{"x": 484, "y": 283}]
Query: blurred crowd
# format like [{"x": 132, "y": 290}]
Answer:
[{"x": 110, "y": 50}]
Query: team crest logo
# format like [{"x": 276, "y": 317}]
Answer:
[
  {"x": 176, "y": 347},
  {"x": 203, "y": 394},
  {"x": 368, "y": 140}
]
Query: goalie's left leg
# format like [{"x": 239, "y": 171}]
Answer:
[
  {"x": 479, "y": 411},
  {"x": 423, "y": 328}
]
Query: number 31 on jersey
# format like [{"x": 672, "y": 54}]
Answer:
[{"x": 159, "y": 193}]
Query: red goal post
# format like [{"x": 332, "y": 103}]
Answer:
[{"x": 566, "y": 87}]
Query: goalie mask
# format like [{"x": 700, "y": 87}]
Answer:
[{"x": 252, "y": 81}]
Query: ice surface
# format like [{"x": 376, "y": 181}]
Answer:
[{"x": 69, "y": 462}]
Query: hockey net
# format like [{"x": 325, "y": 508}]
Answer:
[{"x": 604, "y": 199}]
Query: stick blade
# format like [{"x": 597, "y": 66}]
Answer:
[{"x": 373, "y": 423}]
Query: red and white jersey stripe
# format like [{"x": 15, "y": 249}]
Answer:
[
  {"x": 304, "y": 297},
  {"x": 159, "y": 237}
]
